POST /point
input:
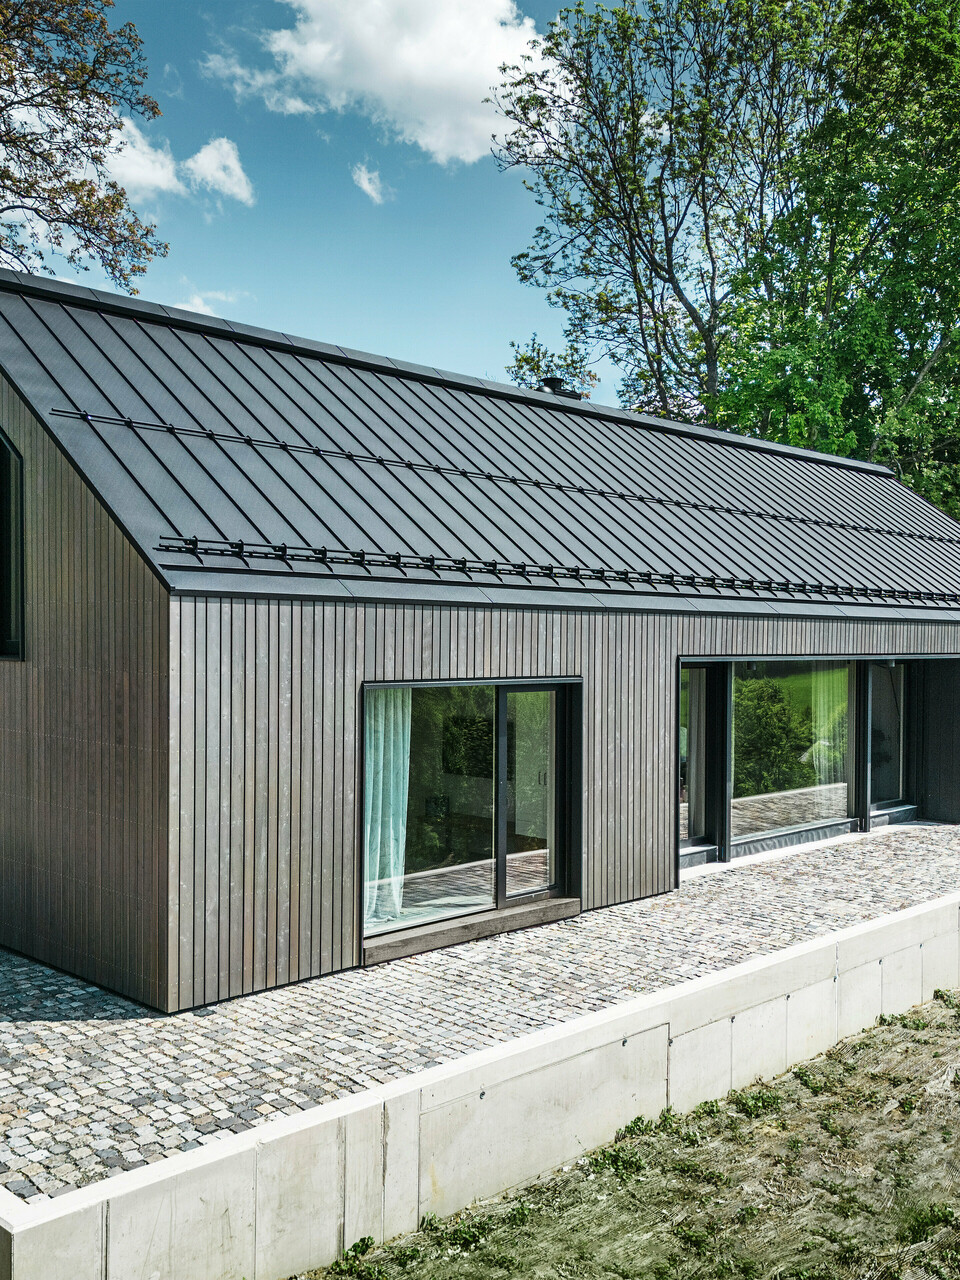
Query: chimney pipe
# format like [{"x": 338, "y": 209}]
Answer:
[{"x": 554, "y": 386}]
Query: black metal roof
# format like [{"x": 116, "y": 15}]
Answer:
[{"x": 246, "y": 460}]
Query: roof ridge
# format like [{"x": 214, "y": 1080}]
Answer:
[{"x": 118, "y": 304}]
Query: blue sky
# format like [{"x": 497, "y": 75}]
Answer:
[{"x": 322, "y": 167}]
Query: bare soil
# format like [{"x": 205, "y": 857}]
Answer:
[{"x": 848, "y": 1166}]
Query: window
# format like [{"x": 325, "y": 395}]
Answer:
[
  {"x": 11, "y": 551},
  {"x": 792, "y": 763},
  {"x": 461, "y": 800},
  {"x": 886, "y": 733}
]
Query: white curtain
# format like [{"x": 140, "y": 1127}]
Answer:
[
  {"x": 830, "y": 707},
  {"x": 386, "y": 787}
]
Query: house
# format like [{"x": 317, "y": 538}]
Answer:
[{"x": 312, "y": 658}]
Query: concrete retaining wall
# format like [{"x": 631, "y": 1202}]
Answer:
[{"x": 292, "y": 1193}]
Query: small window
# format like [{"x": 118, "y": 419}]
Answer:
[
  {"x": 462, "y": 800},
  {"x": 11, "y": 551}
]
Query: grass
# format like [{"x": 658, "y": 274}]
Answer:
[{"x": 844, "y": 1169}]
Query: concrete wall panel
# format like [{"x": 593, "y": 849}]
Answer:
[
  {"x": 401, "y": 1159},
  {"x": 700, "y": 1065},
  {"x": 197, "y": 1223},
  {"x": 859, "y": 1001},
  {"x": 299, "y": 1219},
  {"x": 479, "y": 1144},
  {"x": 811, "y": 1021},
  {"x": 901, "y": 977},
  {"x": 63, "y": 1248},
  {"x": 940, "y": 963},
  {"x": 363, "y": 1171},
  {"x": 759, "y": 1043}
]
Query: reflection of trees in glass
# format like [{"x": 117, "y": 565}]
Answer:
[
  {"x": 450, "y": 807},
  {"x": 774, "y": 739},
  {"x": 881, "y": 748},
  {"x": 529, "y": 768}
]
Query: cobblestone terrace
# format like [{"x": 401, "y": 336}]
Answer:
[{"x": 91, "y": 1084}]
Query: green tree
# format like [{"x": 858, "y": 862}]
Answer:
[
  {"x": 773, "y": 740},
  {"x": 847, "y": 318},
  {"x": 652, "y": 137},
  {"x": 65, "y": 79},
  {"x": 533, "y": 362},
  {"x": 753, "y": 208}
]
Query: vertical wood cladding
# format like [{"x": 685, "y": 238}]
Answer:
[
  {"x": 265, "y": 733},
  {"x": 83, "y": 737}
]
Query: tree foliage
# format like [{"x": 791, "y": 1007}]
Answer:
[
  {"x": 847, "y": 318},
  {"x": 533, "y": 362},
  {"x": 651, "y": 137},
  {"x": 753, "y": 207},
  {"x": 65, "y": 79},
  {"x": 774, "y": 740}
]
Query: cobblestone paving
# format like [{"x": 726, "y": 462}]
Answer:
[{"x": 91, "y": 1084}]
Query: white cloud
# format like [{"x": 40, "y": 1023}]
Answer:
[
  {"x": 369, "y": 182},
  {"x": 217, "y": 166},
  {"x": 146, "y": 170},
  {"x": 202, "y": 302},
  {"x": 418, "y": 67}
]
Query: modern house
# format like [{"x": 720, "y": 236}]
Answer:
[{"x": 312, "y": 658}]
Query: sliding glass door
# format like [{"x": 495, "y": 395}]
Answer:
[
  {"x": 692, "y": 771},
  {"x": 460, "y": 800},
  {"x": 531, "y": 791}
]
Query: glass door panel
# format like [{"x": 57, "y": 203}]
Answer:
[
  {"x": 692, "y": 770},
  {"x": 886, "y": 733},
  {"x": 531, "y": 798},
  {"x": 429, "y": 783}
]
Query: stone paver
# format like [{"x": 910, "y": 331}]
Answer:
[{"x": 91, "y": 1084}]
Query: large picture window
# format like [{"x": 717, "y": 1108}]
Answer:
[
  {"x": 792, "y": 762},
  {"x": 460, "y": 800},
  {"x": 11, "y": 552}
]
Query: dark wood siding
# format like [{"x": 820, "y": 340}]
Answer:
[
  {"x": 264, "y": 789},
  {"x": 83, "y": 737}
]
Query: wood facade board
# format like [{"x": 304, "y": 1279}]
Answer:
[
  {"x": 83, "y": 794},
  {"x": 298, "y": 794}
]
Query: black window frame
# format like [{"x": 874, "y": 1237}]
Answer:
[
  {"x": 719, "y": 784},
  {"x": 11, "y": 558},
  {"x": 567, "y": 791}
]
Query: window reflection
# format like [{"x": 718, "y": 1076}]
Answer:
[
  {"x": 886, "y": 733},
  {"x": 692, "y": 765},
  {"x": 531, "y": 791},
  {"x": 791, "y": 755},
  {"x": 428, "y": 804}
]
